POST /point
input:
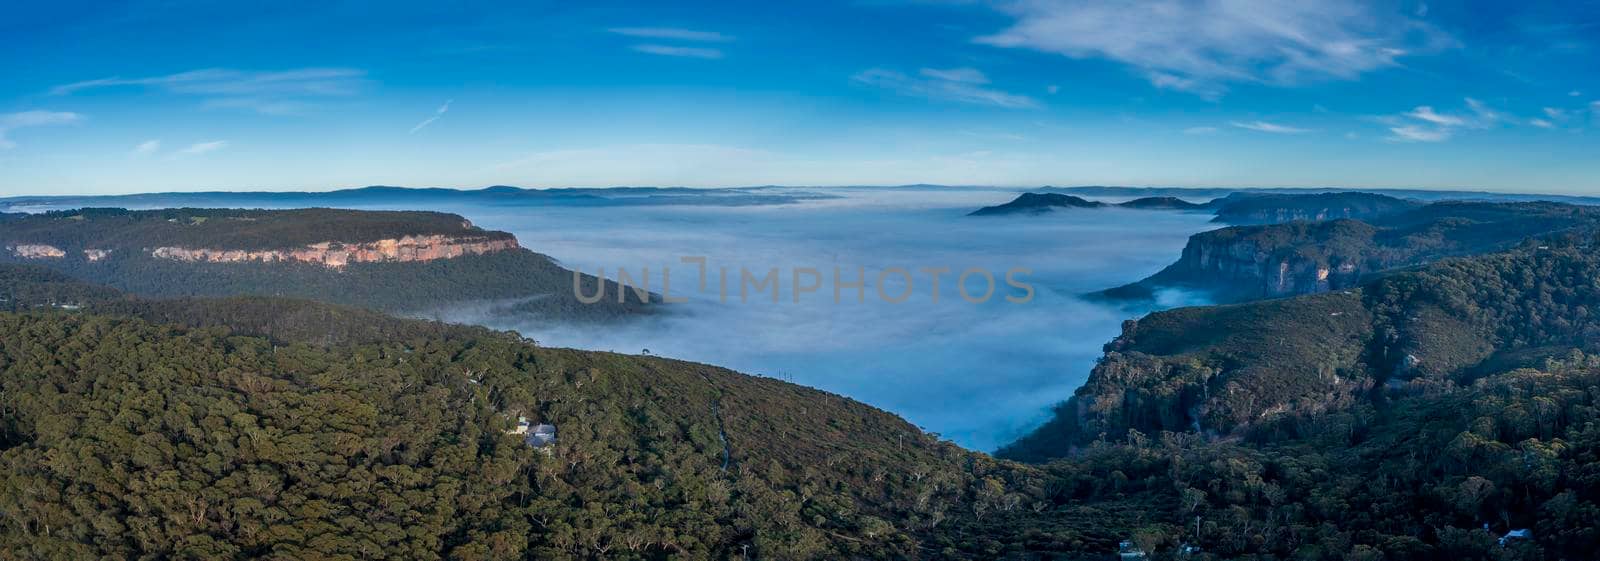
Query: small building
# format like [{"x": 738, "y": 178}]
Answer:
[
  {"x": 540, "y": 436},
  {"x": 537, "y": 436},
  {"x": 1127, "y": 550},
  {"x": 1518, "y": 534}
]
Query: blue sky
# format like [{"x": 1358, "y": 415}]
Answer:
[{"x": 175, "y": 95}]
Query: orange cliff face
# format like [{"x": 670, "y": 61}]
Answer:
[{"x": 336, "y": 255}]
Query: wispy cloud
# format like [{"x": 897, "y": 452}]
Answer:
[
  {"x": 1200, "y": 130},
  {"x": 265, "y": 92},
  {"x": 673, "y": 33},
  {"x": 13, "y": 121},
  {"x": 968, "y": 75},
  {"x": 1201, "y": 46},
  {"x": 147, "y": 148},
  {"x": 1542, "y": 123},
  {"x": 1263, "y": 126},
  {"x": 1424, "y": 124},
  {"x": 963, "y": 85},
  {"x": 436, "y": 114},
  {"x": 1417, "y": 133},
  {"x": 199, "y": 148},
  {"x": 1426, "y": 113},
  {"x": 687, "y": 52}
]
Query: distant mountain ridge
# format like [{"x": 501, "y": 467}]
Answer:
[
  {"x": 1234, "y": 208},
  {"x": 1039, "y": 203},
  {"x": 402, "y": 196}
]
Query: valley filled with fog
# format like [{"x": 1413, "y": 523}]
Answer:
[{"x": 980, "y": 374}]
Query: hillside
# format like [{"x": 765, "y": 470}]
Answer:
[
  {"x": 409, "y": 262},
  {"x": 1253, "y": 208},
  {"x": 245, "y": 428},
  {"x": 1234, "y": 208},
  {"x": 1163, "y": 203},
  {"x": 1244, "y": 263},
  {"x": 1257, "y": 367},
  {"x": 1036, "y": 203}
]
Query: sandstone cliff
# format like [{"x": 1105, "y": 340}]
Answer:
[
  {"x": 1241, "y": 263},
  {"x": 36, "y": 251},
  {"x": 339, "y": 254},
  {"x": 1249, "y": 208}
]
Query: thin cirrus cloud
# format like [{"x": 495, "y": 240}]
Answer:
[
  {"x": 436, "y": 114},
  {"x": 272, "y": 92},
  {"x": 1425, "y": 124},
  {"x": 672, "y": 33},
  {"x": 1263, "y": 126},
  {"x": 675, "y": 34},
  {"x": 1202, "y": 46},
  {"x": 199, "y": 148},
  {"x": 25, "y": 119},
  {"x": 686, "y": 52},
  {"x": 147, "y": 148},
  {"x": 964, "y": 85}
]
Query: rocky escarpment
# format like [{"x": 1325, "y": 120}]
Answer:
[
  {"x": 36, "y": 251},
  {"x": 1267, "y": 368},
  {"x": 1241, "y": 263},
  {"x": 339, "y": 254},
  {"x": 1249, "y": 262},
  {"x": 1247, "y": 208}
]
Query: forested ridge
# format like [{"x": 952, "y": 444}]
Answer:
[
  {"x": 113, "y": 228},
  {"x": 522, "y": 281},
  {"x": 255, "y": 427},
  {"x": 1308, "y": 256}
]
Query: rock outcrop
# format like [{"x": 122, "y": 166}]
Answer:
[
  {"x": 336, "y": 255},
  {"x": 36, "y": 251}
]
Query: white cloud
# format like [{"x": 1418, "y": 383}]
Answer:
[
  {"x": 1541, "y": 123},
  {"x": 147, "y": 148},
  {"x": 968, "y": 75},
  {"x": 25, "y": 119},
  {"x": 259, "y": 105},
  {"x": 673, "y": 33},
  {"x": 1416, "y": 133},
  {"x": 688, "y": 52},
  {"x": 265, "y": 92},
  {"x": 1200, "y": 46},
  {"x": 1439, "y": 127},
  {"x": 436, "y": 114},
  {"x": 1554, "y": 113},
  {"x": 199, "y": 148},
  {"x": 1263, "y": 126},
  {"x": 945, "y": 85},
  {"x": 1200, "y": 130},
  {"x": 1426, "y": 113},
  {"x": 1486, "y": 115},
  {"x": 1574, "y": 93}
]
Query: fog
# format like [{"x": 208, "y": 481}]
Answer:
[{"x": 980, "y": 374}]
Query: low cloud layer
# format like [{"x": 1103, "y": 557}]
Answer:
[{"x": 980, "y": 374}]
